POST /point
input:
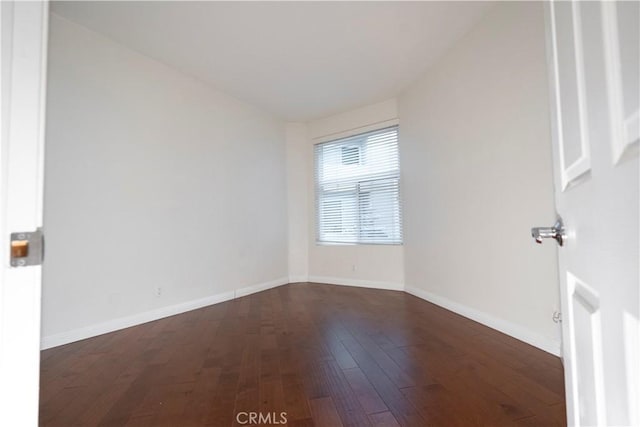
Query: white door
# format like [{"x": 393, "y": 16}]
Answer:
[
  {"x": 23, "y": 30},
  {"x": 593, "y": 54}
]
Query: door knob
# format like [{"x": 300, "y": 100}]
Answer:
[{"x": 556, "y": 232}]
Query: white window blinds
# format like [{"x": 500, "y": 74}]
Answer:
[{"x": 358, "y": 189}]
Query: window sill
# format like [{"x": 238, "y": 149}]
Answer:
[{"x": 318, "y": 243}]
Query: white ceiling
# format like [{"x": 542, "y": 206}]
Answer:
[{"x": 297, "y": 60}]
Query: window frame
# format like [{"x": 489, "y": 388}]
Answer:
[{"x": 396, "y": 179}]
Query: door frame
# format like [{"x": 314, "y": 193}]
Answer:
[{"x": 23, "y": 60}]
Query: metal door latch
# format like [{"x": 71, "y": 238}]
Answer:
[
  {"x": 27, "y": 248},
  {"x": 556, "y": 232}
]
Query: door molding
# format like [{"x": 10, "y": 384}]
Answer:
[
  {"x": 570, "y": 174},
  {"x": 625, "y": 128}
]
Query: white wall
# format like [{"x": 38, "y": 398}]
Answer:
[
  {"x": 298, "y": 198},
  {"x": 477, "y": 174},
  {"x": 154, "y": 180},
  {"x": 360, "y": 265}
]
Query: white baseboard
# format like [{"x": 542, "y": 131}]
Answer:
[
  {"x": 151, "y": 315},
  {"x": 504, "y": 326},
  {"x": 357, "y": 282},
  {"x": 243, "y": 292},
  {"x": 516, "y": 331}
]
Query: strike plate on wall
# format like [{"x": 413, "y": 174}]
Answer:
[{"x": 27, "y": 248}]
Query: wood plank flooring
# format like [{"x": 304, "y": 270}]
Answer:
[{"x": 325, "y": 355}]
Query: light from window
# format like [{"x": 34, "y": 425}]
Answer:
[
  {"x": 358, "y": 189},
  {"x": 351, "y": 155}
]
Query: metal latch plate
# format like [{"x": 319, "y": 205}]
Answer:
[{"x": 27, "y": 248}]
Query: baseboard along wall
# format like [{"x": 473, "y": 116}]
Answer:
[
  {"x": 151, "y": 315},
  {"x": 506, "y": 327}
]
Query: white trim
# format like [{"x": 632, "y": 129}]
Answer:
[
  {"x": 583, "y": 163},
  {"x": 390, "y": 286},
  {"x": 570, "y": 173},
  {"x": 631, "y": 329},
  {"x": 23, "y": 30},
  {"x": 506, "y": 327},
  {"x": 243, "y": 292},
  {"x": 631, "y": 130},
  {"x": 624, "y": 131},
  {"x": 589, "y": 299},
  {"x": 151, "y": 315},
  {"x": 501, "y": 325},
  {"x": 355, "y": 131}
]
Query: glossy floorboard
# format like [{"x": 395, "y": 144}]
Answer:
[{"x": 325, "y": 355}]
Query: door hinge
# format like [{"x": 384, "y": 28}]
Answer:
[{"x": 27, "y": 248}]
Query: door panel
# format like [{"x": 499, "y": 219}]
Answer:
[
  {"x": 593, "y": 56},
  {"x": 632, "y": 364},
  {"x": 584, "y": 319},
  {"x": 621, "y": 32},
  {"x": 570, "y": 96}
]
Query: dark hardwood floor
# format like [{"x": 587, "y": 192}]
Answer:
[{"x": 326, "y": 355}]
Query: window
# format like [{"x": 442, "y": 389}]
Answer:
[
  {"x": 351, "y": 155},
  {"x": 358, "y": 189}
]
